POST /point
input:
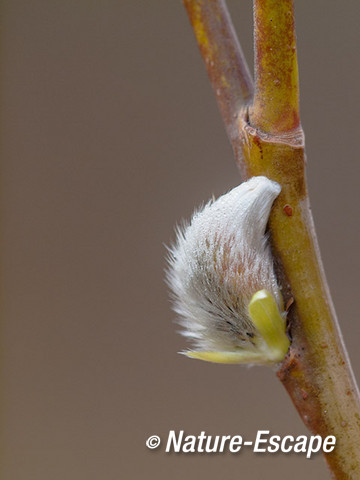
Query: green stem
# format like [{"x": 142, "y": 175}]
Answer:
[{"x": 276, "y": 103}]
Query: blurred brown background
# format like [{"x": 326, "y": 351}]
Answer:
[{"x": 110, "y": 135}]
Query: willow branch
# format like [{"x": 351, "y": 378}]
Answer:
[
  {"x": 268, "y": 140},
  {"x": 223, "y": 57},
  {"x": 276, "y": 104}
]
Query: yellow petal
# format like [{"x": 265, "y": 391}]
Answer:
[
  {"x": 241, "y": 356},
  {"x": 265, "y": 315}
]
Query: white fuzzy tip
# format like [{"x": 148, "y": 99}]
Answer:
[{"x": 219, "y": 262}]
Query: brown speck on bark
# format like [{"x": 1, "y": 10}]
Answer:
[
  {"x": 304, "y": 394},
  {"x": 288, "y": 210}
]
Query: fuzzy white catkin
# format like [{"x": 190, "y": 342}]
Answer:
[{"x": 220, "y": 260}]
